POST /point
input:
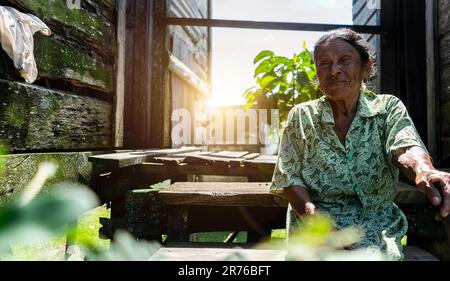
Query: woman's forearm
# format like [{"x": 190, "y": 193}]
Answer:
[
  {"x": 413, "y": 161},
  {"x": 300, "y": 200}
]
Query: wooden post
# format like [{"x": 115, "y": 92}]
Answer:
[
  {"x": 120, "y": 73},
  {"x": 144, "y": 214},
  {"x": 177, "y": 228}
]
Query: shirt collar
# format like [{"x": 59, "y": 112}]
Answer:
[{"x": 369, "y": 105}]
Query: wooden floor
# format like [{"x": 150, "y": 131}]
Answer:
[{"x": 216, "y": 252}]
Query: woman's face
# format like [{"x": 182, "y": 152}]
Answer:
[{"x": 340, "y": 69}]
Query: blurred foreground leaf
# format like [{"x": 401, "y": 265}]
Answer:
[{"x": 45, "y": 216}]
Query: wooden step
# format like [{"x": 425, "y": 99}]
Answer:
[
  {"x": 247, "y": 252},
  {"x": 216, "y": 252}
]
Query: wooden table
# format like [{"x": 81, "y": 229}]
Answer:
[{"x": 116, "y": 174}]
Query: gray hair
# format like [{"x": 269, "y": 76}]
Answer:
[{"x": 357, "y": 41}]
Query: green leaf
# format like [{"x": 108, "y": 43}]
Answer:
[
  {"x": 46, "y": 215},
  {"x": 266, "y": 80},
  {"x": 306, "y": 58},
  {"x": 263, "y": 55},
  {"x": 263, "y": 67},
  {"x": 281, "y": 60}
]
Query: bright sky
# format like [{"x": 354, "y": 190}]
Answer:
[{"x": 233, "y": 50}]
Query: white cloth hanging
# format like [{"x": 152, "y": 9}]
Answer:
[{"x": 16, "y": 36}]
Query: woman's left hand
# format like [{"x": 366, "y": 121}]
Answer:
[{"x": 436, "y": 185}]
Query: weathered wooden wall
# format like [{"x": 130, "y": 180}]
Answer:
[
  {"x": 444, "y": 75},
  {"x": 189, "y": 59},
  {"x": 70, "y": 106}
]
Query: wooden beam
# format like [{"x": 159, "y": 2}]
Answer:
[
  {"x": 186, "y": 74},
  {"x": 57, "y": 60},
  {"x": 270, "y": 25},
  {"x": 119, "y": 105},
  {"x": 431, "y": 38},
  {"x": 155, "y": 131},
  {"x": 36, "y": 118}
]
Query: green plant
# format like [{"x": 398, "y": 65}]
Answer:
[{"x": 283, "y": 82}]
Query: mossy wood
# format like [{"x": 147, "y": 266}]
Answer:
[
  {"x": 35, "y": 118},
  {"x": 19, "y": 169},
  {"x": 90, "y": 26}
]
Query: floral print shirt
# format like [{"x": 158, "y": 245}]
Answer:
[{"x": 353, "y": 183}]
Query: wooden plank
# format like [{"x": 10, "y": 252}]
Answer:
[
  {"x": 194, "y": 55},
  {"x": 217, "y": 254},
  {"x": 121, "y": 160},
  {"x": 190, "y": 169},
  {"x": 246, "y": 157},
  {"x": 209, "y": 160},
  {"x": 187, "y": 9},
  {"x": 265, "y": 163},
  {"x": 221, "y": 194},
  {"x": 215, "y": 158},
  {"x": 229, "y": 154},
  {"x": 56, "y": 60},
  {"x": 187, "y": 75},
  {"x": 35, "y": 118},
  {"x": 432, "y": 96},
  {"x": 78, "y": 25},
  {"x": 174, "y": 159},
  {"x": 138, "y": 75},
  {"x": 263, "y": 159},
  {"x": 160, "y": 119},
  {"x": 119, "y": 105},
  {"x": 272, "y": 25}
]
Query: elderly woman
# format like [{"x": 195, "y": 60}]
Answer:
[{"x": 340, "y": 155}]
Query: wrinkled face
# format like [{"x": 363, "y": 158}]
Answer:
[{"x": 340, "y": 69}]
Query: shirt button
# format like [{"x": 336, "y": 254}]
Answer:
[
  {"x": 349, "y": 158},
  {"x": 357, "y": 188}
]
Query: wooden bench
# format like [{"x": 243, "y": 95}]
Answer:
[
  {"x": 116, "y": 173},
  {"x": 189, "y": 207}
]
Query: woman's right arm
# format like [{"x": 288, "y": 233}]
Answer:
[
  {"x": 287, "y": 179},
  {"x": 300, "y": 200}
]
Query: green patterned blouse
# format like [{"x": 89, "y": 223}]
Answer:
[{"x": 354, "y": 184}]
